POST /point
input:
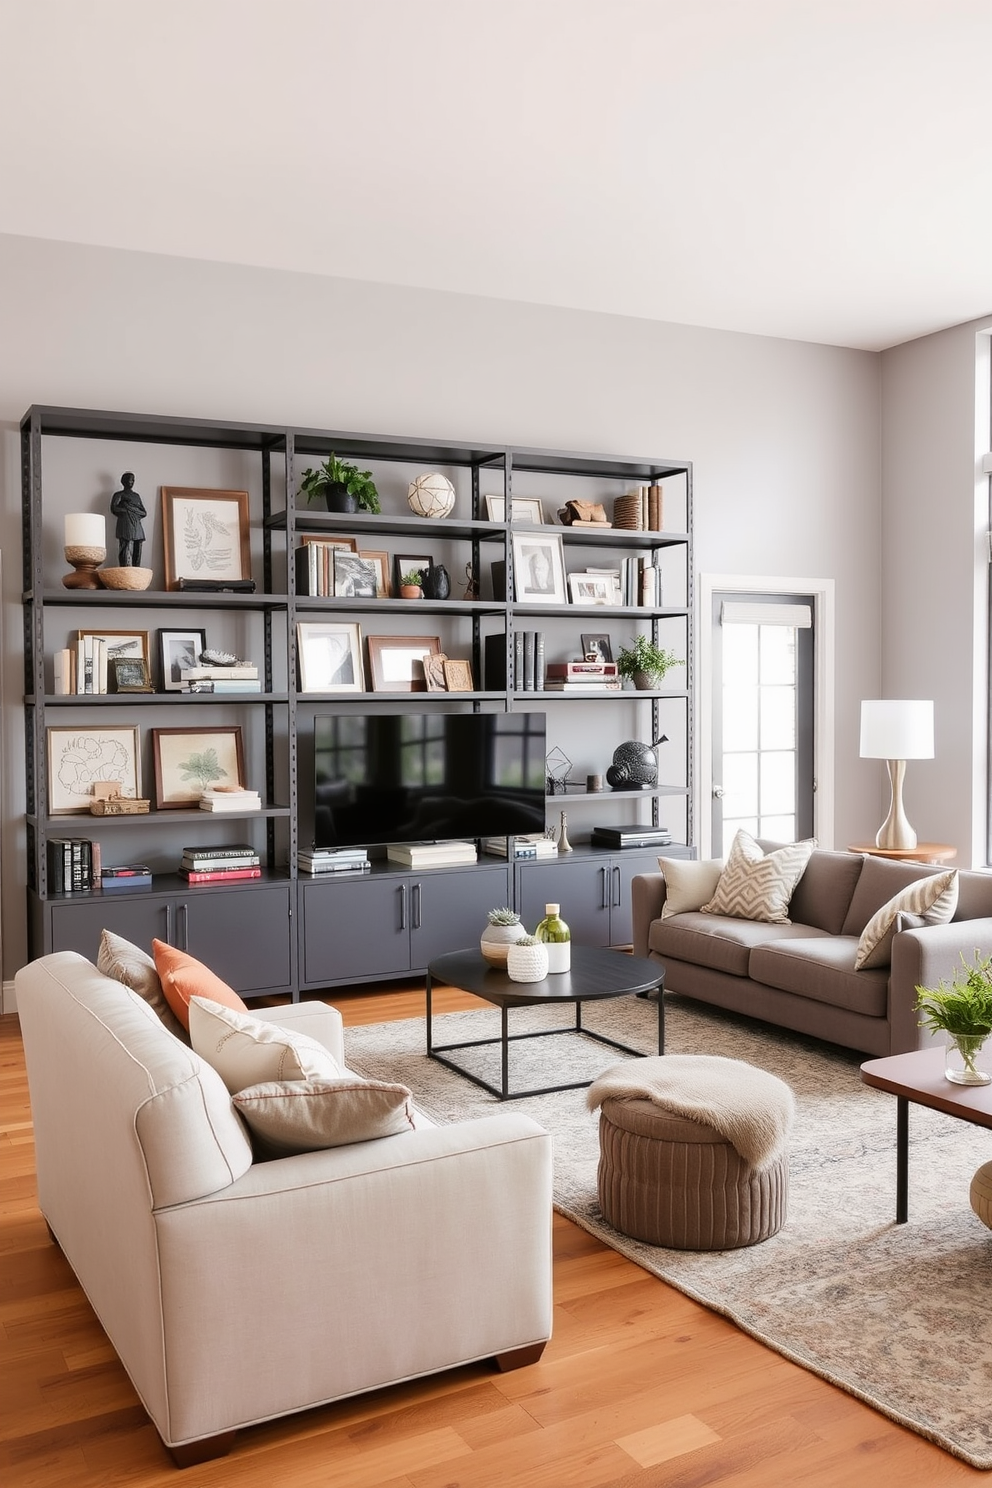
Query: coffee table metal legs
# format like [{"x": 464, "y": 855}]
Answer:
[{"x": 902, "y": 1159}]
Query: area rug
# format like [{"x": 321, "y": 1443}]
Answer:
[{"x": 898, "y": 1315}]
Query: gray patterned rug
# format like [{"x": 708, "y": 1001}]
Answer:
[{"x": 900, "y": 1316}]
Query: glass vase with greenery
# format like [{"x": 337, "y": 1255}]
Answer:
[{"x": 961, "y": 1009}]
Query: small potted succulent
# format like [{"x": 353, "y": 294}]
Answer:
[
  {"x": 962, "y": 1010},
  {"x": 503, "y": 929},
  {"x": 341, "y": 486},
  {"x": 410, "y": 585},
  {"x": 645, "y": 663},
  {"x": 527, "y": 960}
]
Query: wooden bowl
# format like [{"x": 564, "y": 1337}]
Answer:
[{"x": 125, "y": 578}]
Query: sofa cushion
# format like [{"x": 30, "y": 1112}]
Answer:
[
  {"x": 289, "y": 1117},
  {"x": 823, "y": 895},
  {"x": 184, "y": 977},
  {"x": 934, "y": 898},
  {"x": 879, "y": 880},
  {"x": 247, "y": 1051},
  {"x": 717, "y": 941},
  {"x": 822, "y": 969},
  {"x": 756, "y": 885},
  {"x": 688, "y": 884},
  {"x": 129, "y": 964}
]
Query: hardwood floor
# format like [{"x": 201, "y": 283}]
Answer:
[{"x": 638, "y": 1388}]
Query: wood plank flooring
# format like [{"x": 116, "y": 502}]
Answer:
[{"x": 639, "y": 1387}]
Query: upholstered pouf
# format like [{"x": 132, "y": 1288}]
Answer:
[
  {"x": 673, "y": 1179},
  {"x": 981, "y": 1194}
]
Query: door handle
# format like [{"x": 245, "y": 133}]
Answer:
[
  {"x": 604, "y": 900},
  {"x": 617, "y": 887},
  {"x": 402, "y": 893},
  {"x": 183, "y": 909},
  {"x": 415, "y": 906},
  {"x": 718, "y": 792}
]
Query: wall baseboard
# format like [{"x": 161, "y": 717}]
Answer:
[{"x": 8, "y": 1002}]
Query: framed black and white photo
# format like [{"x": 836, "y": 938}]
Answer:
[
  {"x": 178, "y": 651},
  {"x": 80, "y": 757},
  {"x": 206, "y": 534},
  {"x": 383, "y": 588},
  {"x": 130, "y": 645},
  {"x": 404, "y": 563},
  {"x": 355, "y": 577},
  {"x": 596, "y": 647},
  {"x": 330, "y": 656},
  {"x": 538, "y": 568},
  {"x": 592, "y": 589}
]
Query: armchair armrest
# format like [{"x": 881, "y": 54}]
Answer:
[
  {"x": 647, "y": 895},
  {"x": 318, "y": 1020},
  {"x": 920, "y": 958}
]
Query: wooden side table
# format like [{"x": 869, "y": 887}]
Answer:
[{"x": 923, "y": 852}]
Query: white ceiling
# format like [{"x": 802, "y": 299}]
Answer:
[{"x": 814, "y": 169}]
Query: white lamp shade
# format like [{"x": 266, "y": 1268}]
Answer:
[{"x": 896, "y": 729}]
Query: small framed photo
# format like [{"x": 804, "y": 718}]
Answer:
[
  {"x": 128, "y": 645},
  {"x": 397, "y": 662},
  {"x": 591, "y": 589},
  {"x": 349, "y": 544},
  {"x": 124, "y": 675},
  {"x": 383, "y": 587},
  {"x": 596, "y": 647},
  {"x": 354, "y": 577},
  {"x": 404, "y": 562},
  {"x": 434, "y": 672},
  {"x": 522, "y": 509},
  {"x": 189, "y": 761},
  {"x": 539, "y": 569},
  {"x": 330, "y": 656},
  {"x": 458, "y": 676},
  {"x": 206, "y": 534},
  {"x": 178, "y": 650},
  {"x": 78, "y": 758}
]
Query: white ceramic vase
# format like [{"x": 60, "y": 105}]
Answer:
[
  {"x": 497, "y": 940},
  {"x": 527, "y": 963}
]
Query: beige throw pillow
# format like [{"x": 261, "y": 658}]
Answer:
[
  {"x": 129, "y": 964},
  {"x": 291, "y": 1117},
  {"x": 935, "y": 898},
  {"x": 688, "y": 884},
  {"x": 247, "y": 1051},
  {"x": 756, "y": 885}
]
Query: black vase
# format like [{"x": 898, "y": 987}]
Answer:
[
  {"x": 435, "y": 582},
  {"x": 338, "y": 498}
]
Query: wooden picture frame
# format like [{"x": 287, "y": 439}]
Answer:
[
  {"x": 329, "y": 655},
  {"x": 538, "y": 568},
  {"x": 434, "y": 672},
  {"x": 189, "y": 761},
  {"x": 178, "y": 650},
  {"x": 79, "y": 757},
  {"x": 384, "y": 588},
  {"x": 125, "y": 674},
  {"x": 458, "y": 675},
  {"x": 206, "y": 534},
  {"x": 130, "y": 644},
  {"x": 350, "y": 544},
  {"x": 597, "y": 645},
  {"x": 522, "y": 509},
  {"x": 397, "y": 662}
]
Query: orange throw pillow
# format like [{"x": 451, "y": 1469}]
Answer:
[{"x": 183, "y": 977}]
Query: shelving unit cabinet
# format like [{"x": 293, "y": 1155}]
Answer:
[{"x": 280, "y": 934}]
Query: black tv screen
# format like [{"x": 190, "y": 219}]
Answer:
[{"x": 418, "y": 777}]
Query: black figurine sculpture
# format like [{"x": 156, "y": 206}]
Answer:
[{"x": 128, "y": 507}]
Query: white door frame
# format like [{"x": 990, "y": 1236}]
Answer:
[{"x": 822, "y": 592}]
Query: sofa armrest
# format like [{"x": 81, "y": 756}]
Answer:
[
  {"x": 318, "y": 1020},
  {"x": 920, "y": 958},
  {"x": 647, "y": 895}
]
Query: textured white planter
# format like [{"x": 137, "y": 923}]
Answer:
[
  {"x": 527, "y": 963},
  {"x": 497, "y": 940}
]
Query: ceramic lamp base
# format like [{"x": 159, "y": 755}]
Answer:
[{"x": 85, "y": 562}]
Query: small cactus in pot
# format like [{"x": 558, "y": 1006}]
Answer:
[{"x": 503, "y": 929}]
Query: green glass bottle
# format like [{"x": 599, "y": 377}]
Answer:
[{"x": 557, "y": 937}]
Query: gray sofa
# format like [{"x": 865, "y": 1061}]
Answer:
[{"x": 801, "y": 975}]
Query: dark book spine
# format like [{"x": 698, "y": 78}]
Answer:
[
  {"x": 495, "y": 662},
  {"x": 528, "y": 661},
  {"x": 539, "y": 661},
  {"x": 518, "y": 661}
]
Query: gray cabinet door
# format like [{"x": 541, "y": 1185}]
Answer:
[
  {"x": 244, "y": 935},
  {"x": 581, "y": 885},
  {"x": 449, "y": 910},
  {"x": 139, "y": 918},
  {"x": 355, "y": 931},
  {"x": 623, "y": 867}
]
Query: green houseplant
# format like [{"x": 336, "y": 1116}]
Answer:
[
  {"x": 645, "y": 663},
  {"x": 962, "y": 1010},
  {"x": 341, "y": 486},
  {"x": 411, "y": 586}
]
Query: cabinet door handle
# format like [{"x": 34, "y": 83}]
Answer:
[
  {"x": 415, "y": 897},
  {"x": 604, "y": 901},
  {"x": 402, "y": 893},
  {"x": 183, "y": 909},
  {"x": 617, "y": 886}
]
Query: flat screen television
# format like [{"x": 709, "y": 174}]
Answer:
[{"x": 416, "y": 777}]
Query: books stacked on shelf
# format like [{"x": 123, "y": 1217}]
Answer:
[
  {"x": 582, "y": 676},
  {"x": 636, "y": 582},
  {"x": 431, "y": 854},
  {"x": 129, "y": 876},
  {"x": 81, "y": 667},
  {"x": 528, "y": 661},
  {"x": 639, "y": 835},
  {"x": 528, "y": 845},
  {"x": 319, "y": 860},
  {"x": 73, "y": 865},
  {"x": 315, "y": 570},
  {"x": 220, "y": 864},
  {"x": 640, "y": 510},
  {"x": 230, "y": 798},
  {"x": 221, "y": 679}
]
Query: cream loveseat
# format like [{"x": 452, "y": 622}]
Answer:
[
  {"x": 802, "y": 975},
  {"x": 235, "y": 1291}
]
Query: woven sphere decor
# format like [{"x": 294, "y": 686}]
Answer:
[{"x": 431, "y": 495}]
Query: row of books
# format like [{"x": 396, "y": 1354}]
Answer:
[
  {"x": 528, "y": 661},
  {"x": 640, "y": 510},
  {"x": 527, "y": 845},
  {"x": 73, "y": 864},
  {"x": 221, "y": 799},
  {"x": 635, "y": 582},
  {"x": 319, "y": 860},
  {"x": 220, "y": 864},
  {"x": 81, "y": 667},
  {"x": 221, "y": 679},
  {"x": 582, "y": 676}
]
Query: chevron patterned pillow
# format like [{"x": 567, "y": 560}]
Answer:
[
  {"x": 756, "y": 885},
  {"x": 935, "y": 898}
]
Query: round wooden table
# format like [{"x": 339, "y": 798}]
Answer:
[{"x": 923, "y": 852}]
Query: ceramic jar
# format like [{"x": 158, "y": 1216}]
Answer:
[
  {"x": 497, "y": 939},
  {"x": 527, "y": 963}
]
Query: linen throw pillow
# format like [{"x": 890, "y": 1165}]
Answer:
[
  {"x": 248, "y": 1051},
  {"x": 935, "y": 898},
  {"x": 183, "y": 977},
  {"x": 132, "y": 966},
  {"x": 756, "y": 885},
  {"x": 688, "y": 884},
  {"x": 306, "y": 1116}
]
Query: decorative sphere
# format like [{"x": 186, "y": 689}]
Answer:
[
  {"x": 431, "y": 495},
  {"x": 634, "y": 767}
]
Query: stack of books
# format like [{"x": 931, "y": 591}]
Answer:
[
  {"x": 73, "y": 864},
  {"x": 582, "y": 676},
  {"x": 230, "y": 799},
  {"x": 528, "y": 661},
  {"x": 528, "y": 845},
  {"x": 640, "y": 510},
  {"x": 130, "y": 876},
  {"x": 333, "y": 860},
  {"x": 632, "y": 836},
  {"x": 431, "y": 854},
  {"x": 221, "y": 679},
  {"x": 82, "y": 667},
  {"x": 220, "y": 864}
]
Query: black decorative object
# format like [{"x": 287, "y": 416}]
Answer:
[
  {"x": 128, "y": 507},
  {"x": 634, "y": 767},
  {"x": 435, "y": 581},
  {"x": 559, "y": 767}
]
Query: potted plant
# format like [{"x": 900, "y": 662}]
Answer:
[
  {"x": 962, "y": 1010},
  {"x": 503, "y": 929},
  {"x": 410, "y": 586},
  {"x": 341, "y": 486},
  {"x": 645, "y": 663}
]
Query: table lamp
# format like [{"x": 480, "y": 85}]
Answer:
[
  {"x": 85, "y": 548},
  {"x": 896, "y": 730}
]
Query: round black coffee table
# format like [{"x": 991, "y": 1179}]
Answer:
[{"x": 595, "y": 974}]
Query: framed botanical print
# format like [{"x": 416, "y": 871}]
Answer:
[
  {"x": 206, "y": 534},
  {"x": 189, "y": 761}
]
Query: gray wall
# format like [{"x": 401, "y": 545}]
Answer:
[{"x": 784, "y": 435}]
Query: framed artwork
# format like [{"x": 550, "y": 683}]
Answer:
[
  {"x": 403, "y": 562},
  {"x": 458, "y": 676},
  {"x": 206, "y": 534},
  {"x": 125, "y": 675},
  {"x": 79, "y": 757},
  {"x": 178, "y": 650},
  {"x": 397, "y": 662},
  {"x": 522, "y": 509},
  {"x": 591, "y": 589},
  {"x": 434, "y": 672},
  {"x": 539, "y": 569},
  {"x": 596, "y": 647},
  {"x": 330, "y": 656},
  {"x": 355, "y": 577},
  {"x": 189, "y": 761},
  {"x": 130, "y": 645},
  {"x": 383, "y": 587},
  {"x": 349, "y": 544}
]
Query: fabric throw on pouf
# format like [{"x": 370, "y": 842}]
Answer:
[{"x": 693, "y": 1151}]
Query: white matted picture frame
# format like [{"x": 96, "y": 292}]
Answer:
[
  {"x": 522, "y": 509},
  {"x": 592, "y": 589},
  {"x": 206, "y": 534},
  {"x": 79, "y": 757},
  {"x": 397, "y": 662},
  {"x": 189, "y": 761},
  {"x": 330, "y": 656},
  {"x": 178, "y": 650},
  {"x": 538, "y": 568}
]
